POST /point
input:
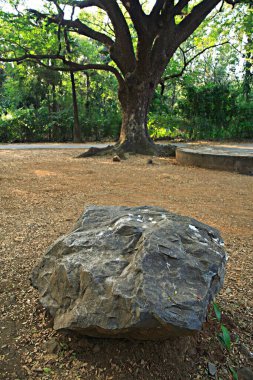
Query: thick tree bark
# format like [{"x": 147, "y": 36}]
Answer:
[
  {"x": 135, "y": 98},
  {"x": 135, "y": 101}
]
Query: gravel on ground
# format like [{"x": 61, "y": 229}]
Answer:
[{"x": 42, "y": 193}]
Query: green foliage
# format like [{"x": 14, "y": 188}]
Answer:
[
  {"x": 224, "y": 337},
  {"x": 164, "y": 122},
  {"x": 38, "y": 106},
  {"x": 164, "y": 126},
  {"x": 217, "y": 111},
  {"x": 29, "y": 124},
  {"x": 34, "y": 125},
  {"x": 217, "y": 311},
  {"x": 234, "y": 373},
  {"x": 100, "y": 117},
  {"x": 47, "y": 370},
  {"x": 212, "y": 100}
]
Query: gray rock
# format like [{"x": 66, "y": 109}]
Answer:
[
  {"x": 212, "y": 369},
  {"x": 52, "y": 346},
  {"x": 140, "y": 272},
  {"x": 123, "y": 155},
  {"x": 116, "y": 158},
  {"x": 245, "y": 373},
  {"x": 244, "y": 349}
]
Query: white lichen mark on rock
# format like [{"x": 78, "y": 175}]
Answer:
[{"x": 193, "y": 228}]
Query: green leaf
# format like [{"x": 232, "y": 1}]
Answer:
[
  {"x": 217, "y": 311},
  {"x": 234, "y": 373},
  {"x": 47, "y": 370},
  {"x": 226, "y": 337}
]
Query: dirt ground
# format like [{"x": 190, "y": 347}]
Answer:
[{"x": 42, "y": 195}]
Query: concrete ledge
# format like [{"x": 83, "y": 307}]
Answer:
[{"x": 212, "y": 158}]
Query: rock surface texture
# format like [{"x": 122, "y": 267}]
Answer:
[{"x": 140, "y": 272}]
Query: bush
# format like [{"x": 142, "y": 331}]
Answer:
[
  {"x": 165, "y": 126},
  {"x": 217, "y": 112},
  {"x": 34, "y": 125},
  {"x": 31, "y": 125}
]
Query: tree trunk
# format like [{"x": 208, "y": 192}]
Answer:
[
  {"x": 54, "y": 108},
  {"x": 77, "y": 136},
  {"x": 49, "y": 112},
  {"x": 134, "y": 136}
]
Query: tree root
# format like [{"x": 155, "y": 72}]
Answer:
[
  {"x": 93, "y": 151},
  {"x": 122, "y": 149}
]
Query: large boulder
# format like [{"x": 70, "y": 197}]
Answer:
[{"x": 140, "y": 272}]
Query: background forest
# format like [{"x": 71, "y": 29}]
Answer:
[{"x": 207, "y": 92}]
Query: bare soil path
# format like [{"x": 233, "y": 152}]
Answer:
[
  {"x": 35, "y": 146},
  {"x": 42, "y": 193}
]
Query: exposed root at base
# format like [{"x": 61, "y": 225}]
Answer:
[
  {"x": 93, "y": 151},
  {"x": 122, "y": 149}
]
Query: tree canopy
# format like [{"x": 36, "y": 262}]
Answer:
[{"x": 139, "y": 43}]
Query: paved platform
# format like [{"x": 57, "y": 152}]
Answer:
[{"x": 229, "y": 157}]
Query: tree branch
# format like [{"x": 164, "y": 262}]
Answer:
[
  {"x": 191, "y": 22},
  {"x": 75, "y": 26},
  {"x": 187, "y": 62},
  {"x": 31, "y": 56},
  {"x": 157, "y": 8},
  {"x": 138, "y": 17},
  {"x": 166, "y": 14},
  {"x": 85, "y": 3},
  {"x": 122, "y": 52},
  {"x": 180, "y": 6},
  {"x": 60, "y": 11},
  {"x": 121, "y": 49},
  {"x": 72, "y": 66}
]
